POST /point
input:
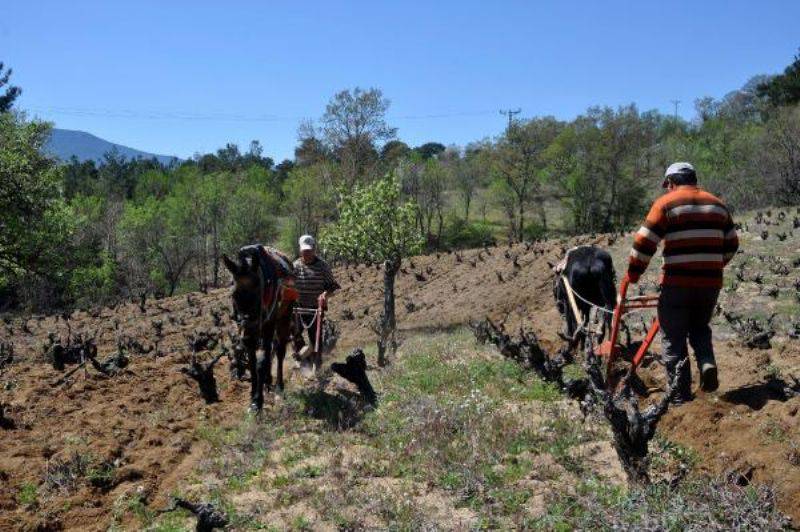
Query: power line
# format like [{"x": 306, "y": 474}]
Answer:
[
  {"x": 226, "y": 117},
  {"x": 510, "y": 114},
  {"x": 676, "y": 103}
]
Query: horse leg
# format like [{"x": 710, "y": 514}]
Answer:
[
  {"x": 266, "y": 366},
  {"x": 283, "y": 333},
  {"x": 256, "y": 395},
  {"x": 280, "y": 353}
]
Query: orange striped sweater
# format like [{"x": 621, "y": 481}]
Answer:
[{"x": 699, "y": 239}]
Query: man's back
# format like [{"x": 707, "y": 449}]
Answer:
[{"x": 699, "y": 238}]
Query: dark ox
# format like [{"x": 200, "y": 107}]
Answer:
[
  {"x": 590, "y": 272},
  {"x": 264, "y": 313}
]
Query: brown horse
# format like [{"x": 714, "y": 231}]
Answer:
[{"x": 263, "y": 300}]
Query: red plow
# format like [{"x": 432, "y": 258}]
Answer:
[{"x": 611, "y": 349}]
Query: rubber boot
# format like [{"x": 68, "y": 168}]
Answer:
[
  {"x": 684, "y": 383},
  {"x": 709, "y": 381}
]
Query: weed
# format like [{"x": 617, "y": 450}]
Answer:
[{"x": 28, "y": 495}]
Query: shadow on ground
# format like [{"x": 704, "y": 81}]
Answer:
[
  {"x": 756, "y": 396},
  {"x": 339, "y": 411}
]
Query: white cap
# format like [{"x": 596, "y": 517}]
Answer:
[
  {"x": 677, "y": 169},
  {"x": 307, "y": 242}
]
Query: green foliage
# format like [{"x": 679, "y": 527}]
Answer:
[
  {"x": 91, "y": 285},
  {"x": 28, "y": 495},
  {"x": 785, "y": 88},
  {"x": 91, "y": 232},
  {"x": 394, "y": 150},
  {"x": 602, "y": 165},
  {"x": 429, "y": 149},
  {"x": 460, "y": 233},
  {"x": 249, "y": 218},
  {"x": 309, "y": 199},
  {"x": 353, "y": 124},
  {"x": 35, "y": 224},
  {"x": 153, "y": 238},
  {"x": 10, "y": 93},
  {"x": 375, "y": 225},
  {"x": 518, "y": 164}
]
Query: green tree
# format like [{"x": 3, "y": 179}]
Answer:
[
  {"x": 353, "y": 125},
  {"x": 783, "y": 89},
  {"x": 309, "y": 200},
  {"x": 393, "y": 151},
  {"x": 10, "y": 93},
  {"x": 469, "y": 173},
  {"x": 430, "y": 149},
  {"x": 156, "y": 239},
  {"x": 777, "y": 156},
  {"x": 435, "y": 181},
  {"x": 251, "y": 218},
  {"x": 376, "y": 226},
  {"x": 520, "y": 162},
  {"x": 604, "y": 163},
  {"x": 34, "y": 225},
  {"x": 80, "y": 177}
]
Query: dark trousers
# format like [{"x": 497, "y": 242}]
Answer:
[{"x": 685, "y": 313}]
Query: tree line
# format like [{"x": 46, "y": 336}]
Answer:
[{"x": 83, "y": 233}]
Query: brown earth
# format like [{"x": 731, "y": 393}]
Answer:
[{"x": 146, "y": 421}]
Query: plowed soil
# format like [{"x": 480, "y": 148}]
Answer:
[{"x": 145, "y": 421}]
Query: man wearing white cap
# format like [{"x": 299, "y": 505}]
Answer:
[
  {"x": 313, "y": 279},
  {"x": 699, "y": 241}
]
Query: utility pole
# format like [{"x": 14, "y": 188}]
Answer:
[
  {"x": 676, "y": 103},
  {"x": 510, "y": 113}
]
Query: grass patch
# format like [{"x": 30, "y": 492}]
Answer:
[
  {"x": 699, "y": 504},
  {"x": 28, "y": 495},
  {"x": 457, "y": 429},
  {"x": 458, "y": 421}
]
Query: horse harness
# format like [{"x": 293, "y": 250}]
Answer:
[{"x": 275, "y": 283}]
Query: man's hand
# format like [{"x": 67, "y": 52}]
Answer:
[
  {"x": 323, "y": 300},
  {"x": 632, "y": 278}
]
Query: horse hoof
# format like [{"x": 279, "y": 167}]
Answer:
[{"x": 254, "y": 408}]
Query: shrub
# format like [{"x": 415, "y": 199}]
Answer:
[
  {"x": 94, "y": 284},
  {"x": 460, "y": 233}
]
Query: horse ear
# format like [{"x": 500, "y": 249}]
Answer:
[{"x": 231, "y": 265}]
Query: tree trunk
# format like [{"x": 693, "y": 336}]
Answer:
[
  {"x": 215, "y": 254},
  {"x": 439, "y": 230},
  {"x": 543, "y": 215},
  {"x": 173, "y": 284},
  {"x": 388, "y": 323}
]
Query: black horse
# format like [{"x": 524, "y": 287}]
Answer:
[
  {"x": 263, "y": 301},
  {"x": 589, "y": 270}
]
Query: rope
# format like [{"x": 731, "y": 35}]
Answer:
[
  {"x": 576, "y": 294},
  {"x": 302, "y": 321},
  {"x": 597, "y": 307}
]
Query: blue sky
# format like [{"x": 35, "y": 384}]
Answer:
[{"x": 183, "y": 77}]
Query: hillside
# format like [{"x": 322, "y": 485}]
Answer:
[
  {"x": 461, "y": 438},
  {"x": 65, "y": 143}
]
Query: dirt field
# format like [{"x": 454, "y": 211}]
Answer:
[{"x": 149, "y": 424}]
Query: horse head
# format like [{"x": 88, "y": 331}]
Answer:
[{"x": 247, "y": 286}]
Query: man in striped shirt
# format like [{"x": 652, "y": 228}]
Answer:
[
  {"x": 313, "y": 279},
  {"x": 699, "y": 241}
]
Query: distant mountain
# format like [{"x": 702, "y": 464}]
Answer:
[{"x": 64, "y": 143}]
